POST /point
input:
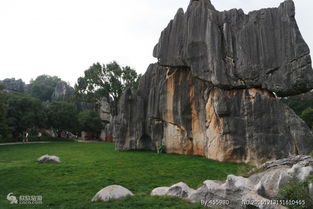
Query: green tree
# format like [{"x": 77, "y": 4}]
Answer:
[
  {"x": 62, "y": 116},
  {"x": 105, "y": 80},
  {"x": 25, "y": 113},
  {"x": 5, "y": 130},
  {"x": 298, "y": 103},
  {"x": 302, "y": 105},
  {"x": 307, "y": 116},
  {"x": 90, "y": 122},
  {"x": 43, "y": 87}
]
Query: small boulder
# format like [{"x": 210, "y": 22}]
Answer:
[
  {"x": 159, "y": 191},
  {"x": 209, "y": 191},
  {"x": 113, "y": 192},
  {"x": 181, "y": 190},
  {"x": 269, "y": 182},
  {"x": 49, "y": 159},
  {"x": 300, "y": 172}
]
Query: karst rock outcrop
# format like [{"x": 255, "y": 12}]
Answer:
[
  {"x": 260, "y": 190},
  {"x": 215, "y": 89}
]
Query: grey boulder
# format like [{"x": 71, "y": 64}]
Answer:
[
  {"x": 113, "y": 192},
  {"x": 181, "y": 190},
  {"x": 49, "y": 159},
  {"x": 239, "y": 192},
  {"x": 277, "y": 173}
]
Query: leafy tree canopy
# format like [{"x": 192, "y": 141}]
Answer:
[
  {"x": 25, "y": 112},
  {"x": 5, "y": 130},
  {"x": 90, "y": 121},
  {"x": 43, "y": 87},
  {"x": 105, "y": 80},
  {"x": 302, "y": 105},
  {"x": 62, "y": 116}
]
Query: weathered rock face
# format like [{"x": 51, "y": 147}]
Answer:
[
  {"x": 62, "y": 90},
  {"x": 104, "y": 109},
  {"x": 230, "y": 49},
  {"x": 12, "y": 85},
  {"x": 194, "y": 102}
]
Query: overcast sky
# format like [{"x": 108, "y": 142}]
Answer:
[{"x": 64, "y": 37}]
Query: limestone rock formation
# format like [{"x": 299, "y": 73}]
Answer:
[
  {"x": 257, "y": 191},
  {"x": 113, "y": 192},
  {"x": 230, "y": 49},
  {"x": 13, "y": 85},
  {"x": 62, "y": 90},
  {"x": 105, "y": 113},
  {"x": 213, "y": 91},
  {"x": 276, "y": 174}
]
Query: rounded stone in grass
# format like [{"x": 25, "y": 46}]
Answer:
[
  {"x": 160, "y": 191},
  {"x": 113, "y": 192},
  {"x": 181, "y": 190},
  {"x": 49, "y": 159}
]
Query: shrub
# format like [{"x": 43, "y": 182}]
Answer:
[{"x": 297, "y": 190}]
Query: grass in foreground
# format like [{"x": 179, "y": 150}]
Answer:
[{"x": 87, "y": 168}]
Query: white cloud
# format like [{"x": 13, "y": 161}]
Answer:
[{"x": 64, "y": 37}]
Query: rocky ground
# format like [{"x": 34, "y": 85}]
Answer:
[{"x": 260, "y": 190}]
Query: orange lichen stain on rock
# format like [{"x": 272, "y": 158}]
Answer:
[
  {"x": 214, "y": 130},
  {"x": 198, "y": 137},
  {"x": 188, "y": 147},
  {"x": 252, "y": 92},
  {"x": 170, "y": 82},
  {"x": 220, "y": 147},
  {"x": 170, "y": 72},
  {"x": 229, "y": 93}
]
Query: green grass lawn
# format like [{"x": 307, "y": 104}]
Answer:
[{"x": 88, "y": 167}]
